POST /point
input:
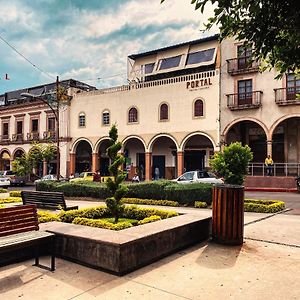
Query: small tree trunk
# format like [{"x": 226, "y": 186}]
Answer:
[{"x": 228, "y": 214}]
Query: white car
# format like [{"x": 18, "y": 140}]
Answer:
[
  {"x": 50, "y": 177},
  {"x": 4, "y": 182},
  {"x": 198, "y": 176}
]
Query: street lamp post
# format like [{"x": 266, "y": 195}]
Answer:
[{"x": 55, "y": 111}]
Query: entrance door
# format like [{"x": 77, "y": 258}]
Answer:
[
  {"x": 160, "y": 162},
  {"x": 104, "y": 164},
  {"x": 194, "y": 160}
]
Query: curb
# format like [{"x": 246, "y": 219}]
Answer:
[{"x": 270, "y": 189}]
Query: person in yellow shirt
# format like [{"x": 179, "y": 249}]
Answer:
[{"x": 269, "y": 164}]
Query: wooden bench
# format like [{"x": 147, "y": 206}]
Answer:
[
  {"x": 19, "y": 229},
  {"x": 46, "y": 200}
]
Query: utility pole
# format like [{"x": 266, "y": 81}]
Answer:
[{"x": 57, "y": 130}]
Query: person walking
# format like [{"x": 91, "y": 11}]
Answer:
[
  {"x": 269, "y": 164},
  {"x": 156, "y": 173}
]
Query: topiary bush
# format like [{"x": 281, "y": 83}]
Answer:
[{"x": 232, "y": 163}]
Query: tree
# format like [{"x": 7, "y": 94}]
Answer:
[
  {"x": 270, "y": 27},
  {"x": 114, "y": 203}
]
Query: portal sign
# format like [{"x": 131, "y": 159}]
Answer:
[{"x": 194, "y": 84}]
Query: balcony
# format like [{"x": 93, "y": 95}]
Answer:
[
  {"x": 17, "y": 138},
  {"x": 241, "y": 101},
  {"x": 4, "y": 139},
  {"x": 236, "y": 66},
  {"x": 287, "y": 96},
  {"x": 33, "y": 136},
  {"x": 49, "y": 135}
]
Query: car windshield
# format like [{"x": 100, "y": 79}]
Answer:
[{"x": 81, "y": 175}]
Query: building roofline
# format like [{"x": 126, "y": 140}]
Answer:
[{"x": 193, "y": 42}]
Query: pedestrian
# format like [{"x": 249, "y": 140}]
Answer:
[
  {"x": 156, "y": 173},
  {"x": 71, "y": 176},
  {"x": 269, "y": 165},
  {"x": 135, "y": 178},
  {"x": 97, "y": 177}
]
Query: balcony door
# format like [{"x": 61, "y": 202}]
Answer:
[
  {"x": 243, "y": 54},
  {"x": 292, "y": 87},
  {"x": 245, "y": 92}
]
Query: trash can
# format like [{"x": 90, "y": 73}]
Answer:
[{"x": 228, "y": 214}]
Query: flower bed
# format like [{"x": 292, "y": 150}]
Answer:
[{"x": 98, "y": 217}]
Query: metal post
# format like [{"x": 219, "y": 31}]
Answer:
[{"x": 57, "y": 130}]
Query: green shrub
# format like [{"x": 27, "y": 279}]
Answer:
[
  {"x": 150, "y": 202},
  {"x": 3, "y": 191},
  {"x": 44, "y": 217},
  {"x": 91, "y": 213},
  {"x": 15, "y": 194},
  {"x": 200, "y": 204},
  {"x": 101, "y": 223},
  {"x": 263, "y": 206},
  {"x": 2, "y": 206},
  {"x": 149, "y": 220},
  {"x": 11, "y": 200},
  {"x": 187, "y": 194},
  {"x": 134, "y": 212},
  {"x": 112, "y": 220}
]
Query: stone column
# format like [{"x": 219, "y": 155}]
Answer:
[
  {"x": 72, "y": 163},
  {"x": 45, "y": 169},
  {"x": 148, "y": 167},
  {"x": 95, "y": 162},
  {"x": 180, "y": 162},
  {"x": 269, "y": 148}
]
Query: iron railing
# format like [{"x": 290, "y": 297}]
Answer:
[
  {"x": 287, "y": 96},
  {"x": 241, "y": 66},
  {"x": 49, "y": 135},
  {"x": 244, "y": 100},
  {"x": 279, "y": 169},
  {"x": 33, "y": 136},
  {"x": 17, "y": 137}
]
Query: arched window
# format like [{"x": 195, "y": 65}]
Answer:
[
  {"x": 164, "y": 112},
  {"x": 81, "y": 119},
  {"x": 105, "y": 117},
  {"x": 132, "y": 115},
  {"x": 198, "y": 108}
]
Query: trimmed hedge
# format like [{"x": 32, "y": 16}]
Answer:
[
  {"x": 44, "y": 217},
  {"x": 200, "y": 204},
  {"x": 150, "y": 202},
  {"x": 11, "y": 200},
  {"x": 15, "y": 194},
  {"x": 184, "y": 194},
  {"x": 149, "y": 220},
  {"x": 3, "y": 191},
  {"x": 263, "y": 206},
  {"x": 101, "y": 224},
  {"x": 2, "y": 206}
]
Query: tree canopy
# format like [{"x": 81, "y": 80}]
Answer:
[{"x": 271, "y": 27}]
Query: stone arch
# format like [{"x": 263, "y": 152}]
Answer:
[
  {"x": 75, "y": 144},
  {"x": 5, "y": 161},
  {"x": 154, "y": 138},
  {"x": 98, "y": 143},
  {"x": 134, "y": 137},
  {"x": 185, "y": 139},
  {"x": 19, "y": 149},
  {"x": 278, "y": 121}
]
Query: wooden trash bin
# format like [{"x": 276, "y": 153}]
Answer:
[{"x": 228, "y": 214}]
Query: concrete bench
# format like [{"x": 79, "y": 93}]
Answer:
[
  {"x": 46, "y": 200},
  {"x": 19, "y": 230}
]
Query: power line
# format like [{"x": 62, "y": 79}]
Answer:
[{"x": 34, "y": 65}]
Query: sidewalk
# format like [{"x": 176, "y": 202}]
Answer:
[{"x": 267, "y": 266}]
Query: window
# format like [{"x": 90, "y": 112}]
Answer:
[
  {"x": 292, "y": 87},
  {"x": 244, "y": 54},
  {"x": 105, "y": 118},
  {"x": 82, "y": 120},
  {"x": 164, "y": 112},
  {"x": 149, "y": 68},
  {"x": 5, "y": 129},
  {"x": 19, "y": 127},
  {"x": 170, "y": 62},
  {"x": 245, "y": 92},
  {"x": 34, "y": 125},
  {"x": 132, "y": 115},
  {"x": 200, "y": 56},
  {"x": 51, "y": 124},
  {"x": 198, "y": 108}
]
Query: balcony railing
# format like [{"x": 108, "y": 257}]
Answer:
[
  {"x": 287, "y": 96},
  {"x": 244, "y": 100},
  {"x": 33, "y": 136},
  {"x": 279, "y": 169},
  {"x": 49, "y": 135},
  {"x": 17, "y": 137},
  {"x": 241, "y": 66},
  {"x": 4, "y": 138}
]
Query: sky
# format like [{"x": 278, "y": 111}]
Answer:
[{"x": 88, "y": 39}]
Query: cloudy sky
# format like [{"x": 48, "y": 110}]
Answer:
[{"x": 87, "y": 39}]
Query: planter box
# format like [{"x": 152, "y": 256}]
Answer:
[{"x": 120, "y": 252}]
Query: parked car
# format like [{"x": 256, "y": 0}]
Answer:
[
  {"x": 14, "y": 178},
  {"x": 51, "y": 177},
  {"x": 83, "y": 176},
  {"x": 198, "y": 176},
  {"x": 4, "y": 182}
]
